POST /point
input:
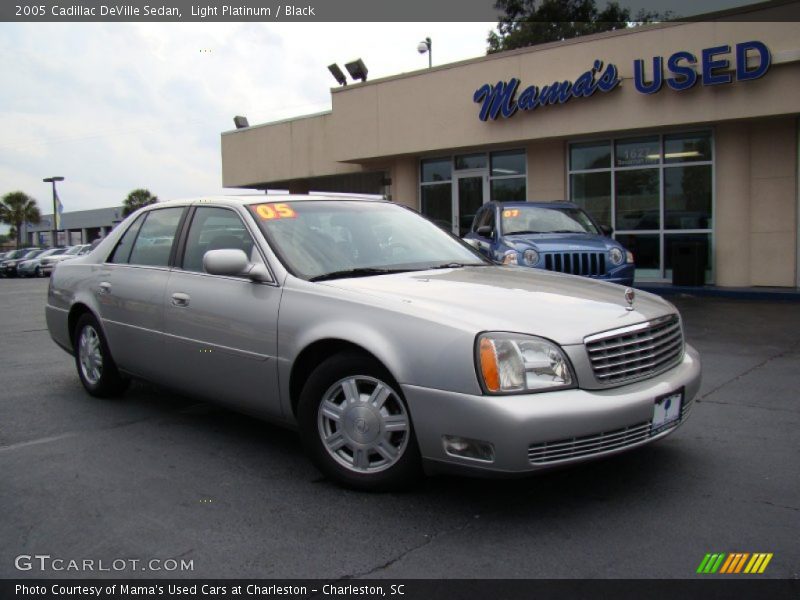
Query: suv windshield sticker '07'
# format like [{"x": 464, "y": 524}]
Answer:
[{"x": 268, "y": 212}]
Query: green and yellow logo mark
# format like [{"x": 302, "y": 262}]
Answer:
[{"x": 735, "y": 562}]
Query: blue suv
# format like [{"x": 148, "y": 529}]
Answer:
[{"x": 557, "y": 236}]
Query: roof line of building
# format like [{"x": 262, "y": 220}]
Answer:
[{"x": 279, "y": 121}]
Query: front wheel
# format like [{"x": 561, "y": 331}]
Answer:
[
  {"x": 96, "y": 367},
  {"x": 356, "y": 427}
]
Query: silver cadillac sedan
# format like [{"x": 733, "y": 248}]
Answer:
[{"x": 391, "y": 345}]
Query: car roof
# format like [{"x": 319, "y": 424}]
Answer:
[
  {"x": 541, "y": 204},
  {"x": 246, "y": 199}
]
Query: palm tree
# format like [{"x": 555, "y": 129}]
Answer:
[
  {"x": 136, "y": 200},
  {"x": 17, "y": 208}
]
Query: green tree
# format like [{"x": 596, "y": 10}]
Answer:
[
  {"x": 17, "y": 208},
  {"x": 531, "y": 22},
  {"x": 136, "y": 200}
]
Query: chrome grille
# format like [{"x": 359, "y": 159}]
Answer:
[
  {"x": 635, "y": 352},
  {"x": 576, "y": 263},
  {"x": 553, "y": 452}
]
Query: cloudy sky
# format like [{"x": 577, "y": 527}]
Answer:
[{"x": 113, "y": 107}]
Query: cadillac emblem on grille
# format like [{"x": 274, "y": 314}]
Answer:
[{"x": 629, "y": 296}]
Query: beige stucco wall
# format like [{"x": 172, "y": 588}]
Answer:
[
  {"x": 427, "y": 111},
  {"x": 773, "y": 202},
  {"x": 756, "y": 203},
  {"x": 547, "y": 170},
  {"x": 433, "y": 109},
  {"x": 296, "y": 149}
]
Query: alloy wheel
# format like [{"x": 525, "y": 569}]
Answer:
[
  {"x": 363, "y": 424},
  {"x": 90, "y": 355}
]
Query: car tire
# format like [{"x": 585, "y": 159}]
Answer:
[
  {"x": 37, "y": 272},
  {"x": 96, "y": 368},
  {"x": 356, "y": 427}
]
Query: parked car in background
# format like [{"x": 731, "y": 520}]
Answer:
[
  {"x": 556, "y": 236},
  {"x": 8, "y": 268},
  {"x": 402, "y": 346},
  {"x": 49, "y": 263},
  {"x": 39, "y": 266}
]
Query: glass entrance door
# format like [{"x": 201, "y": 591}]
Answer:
[{"x": 469, "y": 195}]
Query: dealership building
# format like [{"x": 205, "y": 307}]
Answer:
[
  {"x": 76, "y": 227},
  {"x": 667, "y": 133}
]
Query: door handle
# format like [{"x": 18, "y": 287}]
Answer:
[
  {"x": 104, "y": 288},
  {"x": 180, "y": 299}
]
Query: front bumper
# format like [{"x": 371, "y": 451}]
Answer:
[{"x": 516, "y": 425}]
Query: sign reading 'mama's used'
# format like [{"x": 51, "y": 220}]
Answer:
[{"x": 503, "y": 99}]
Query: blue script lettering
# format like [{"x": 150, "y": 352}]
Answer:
[{"x": 500, "y": 99}]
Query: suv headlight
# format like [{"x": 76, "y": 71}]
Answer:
[
  {"x": 629, "y": 257},
  {"x": 530, "y": 256},
  {"x": 616, "y": 256},
  {"x": 514, "y": 362}
]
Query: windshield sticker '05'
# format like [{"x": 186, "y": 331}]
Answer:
[{"x": 269, "y": 212}]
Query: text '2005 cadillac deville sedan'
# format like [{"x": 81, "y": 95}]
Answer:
[{"x": 389, "y": 343}]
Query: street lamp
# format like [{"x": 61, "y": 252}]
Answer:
[
  {"x": 425, "y": 46},
  {"x": 54, "y": 231}
]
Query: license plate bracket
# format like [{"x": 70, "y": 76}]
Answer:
[{"x": 667, "y": 411}]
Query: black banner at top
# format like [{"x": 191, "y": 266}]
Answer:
[{"x": 348, "y": 10}]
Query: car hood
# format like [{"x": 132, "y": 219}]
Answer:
[
  {"x": 563, "y": 308},
  {"x": 560, "y": 242}
]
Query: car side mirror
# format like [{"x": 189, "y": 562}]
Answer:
[
  {"x": 233, "y": 263},
  {"x": 607, "y": 230},
  {"x": 485, "y": 231}
]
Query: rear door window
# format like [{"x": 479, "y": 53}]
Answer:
[
  {"x": 122, "y": 252},
  {"x": 156, "y": 236}
]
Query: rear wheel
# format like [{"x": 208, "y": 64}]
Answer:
[
  {"x": 356, "y": 427},
  {"x": 96, "y": 368}
]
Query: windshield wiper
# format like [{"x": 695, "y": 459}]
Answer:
[
  {"x": 359, "y": 272},
  {"x": 455, "y": 265},
  {"x": 525, "y": 232},
  {"x": 566, "y": 231}
]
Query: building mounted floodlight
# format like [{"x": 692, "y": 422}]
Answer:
[
  {"x": 337, "y": 74},
  {"x": 240, "y": 122},
  {"x": 357, "y": 70},
  {"x": 425, "y": 46}
]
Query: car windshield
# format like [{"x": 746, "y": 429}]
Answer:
[
  {"x": 327, "y": 239},
  {"x": 51, "y": 252},
  {"x": 537, "y": 219},
  {"x": 32, "y": 254}
]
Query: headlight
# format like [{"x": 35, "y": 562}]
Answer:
[
  {"x": 510, "y": 258},
  {"x": 629, "y": 257},
  {"x": 616, "y": 256},
  {"x": 531, "y": 257},
  {"x": 514, "y": 362}
]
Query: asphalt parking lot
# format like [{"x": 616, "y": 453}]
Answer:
[{"x": 156, "y": 475}]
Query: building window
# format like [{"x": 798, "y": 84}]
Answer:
[
  {"x": 436, "y": 191},
  {"x": 507, "y": 177},
  {"x": 453, "y": 188},
  {"x": 655, "y": 191}
]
